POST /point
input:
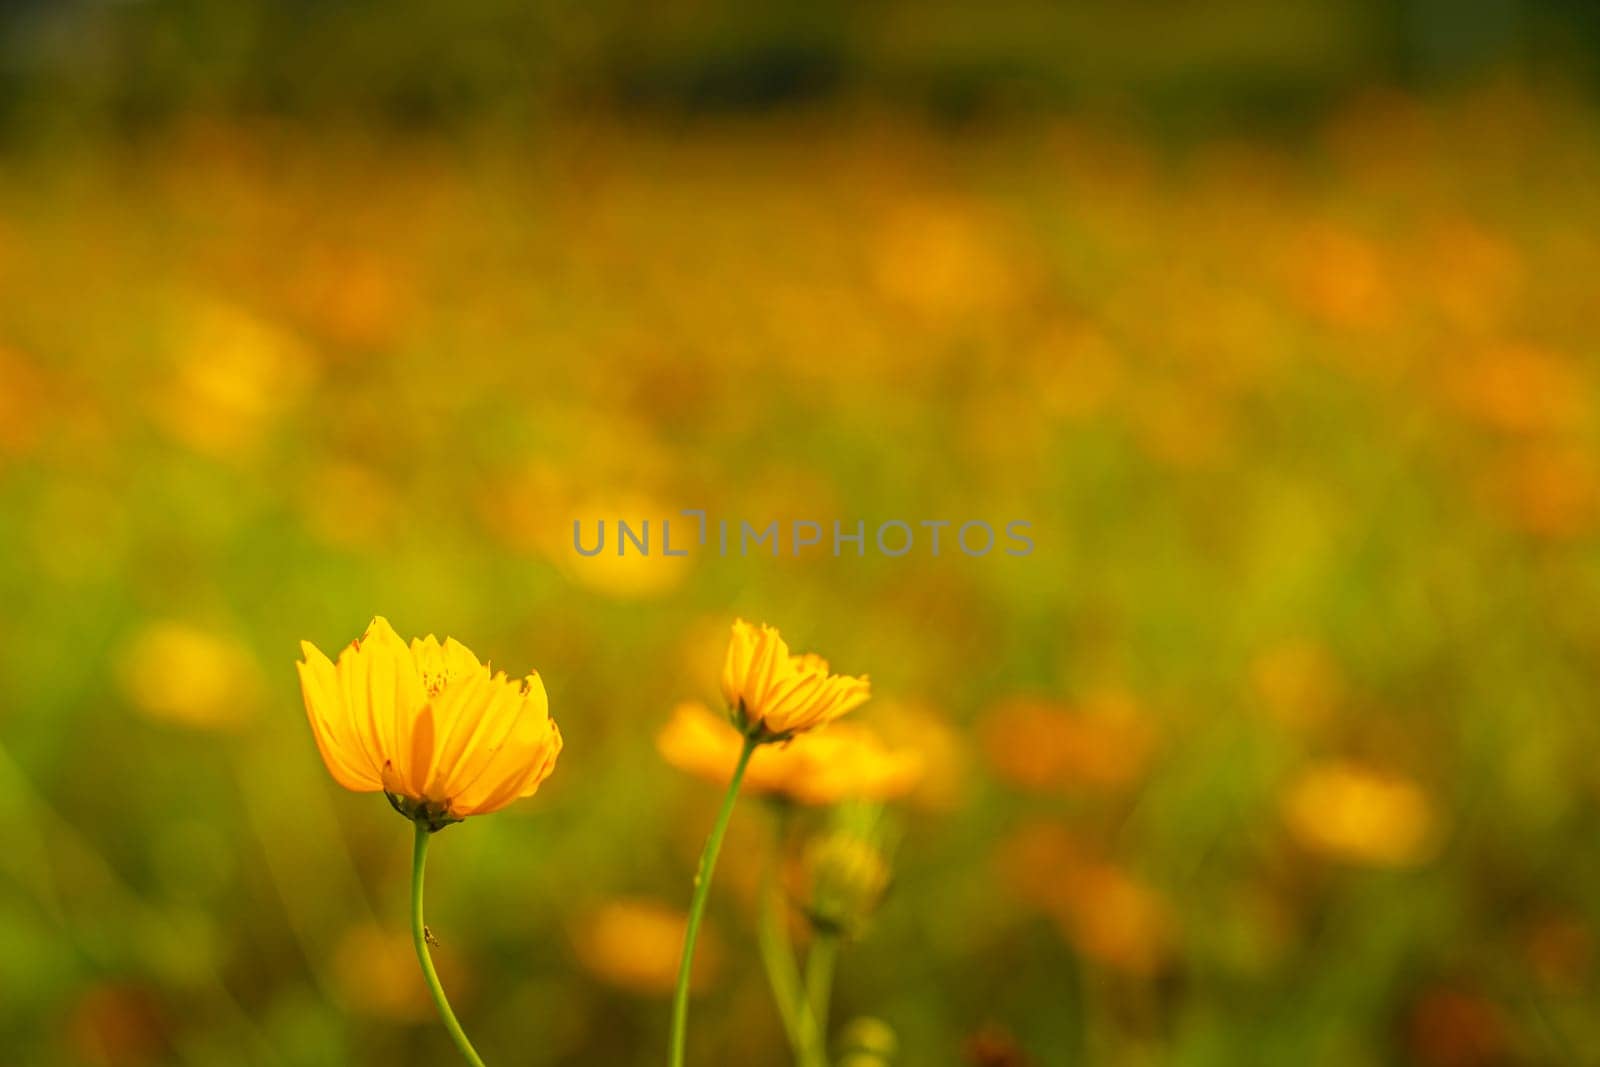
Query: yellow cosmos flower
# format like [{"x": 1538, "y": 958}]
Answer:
[
  {"x": 773, "y": 696},
  {"x": 428, "y": 725},
  {"x": 838, "y": 764}
]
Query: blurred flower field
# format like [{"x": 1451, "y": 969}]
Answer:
[{"x": 1279, "y": 748}]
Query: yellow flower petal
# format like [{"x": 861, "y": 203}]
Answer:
[
  {"x": 521, "y": 762},
  {"x": 499, "y": 701},
  {"x": 460, "y": 723},
  {"x": 383, "y": 663},
  {"x": 346, "y": 759}
]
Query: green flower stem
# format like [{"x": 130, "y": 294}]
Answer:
[
  {"x": 697, "y": 907},
  {"x": 819, "y": 978},
  {"x": 777, "y": 954},
  {"x": 419, "y": 937}
]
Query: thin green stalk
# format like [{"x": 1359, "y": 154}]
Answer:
[
  {"x": 819, "y": 978},
  {"x": 697, "y": 907},
  {"x": 777, "y": 954},
  {"x": 419, "y": 937}
]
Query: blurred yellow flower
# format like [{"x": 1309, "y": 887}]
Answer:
[
  {"x": 180, "y": 673},
  {"x": 235, "y": 375},
  {"x": 845, "y": 762},
  {"x": 534, "y": 511},
  {"x": 428, "y": 725},
  {"x": 634, "y": 945},
  {"x": 372, "y": 972},
  {"x": 944, "y": 753},
  {"x": 773, "y": 695},
  {"x": 943, "y": 259},
  {"x": 1359, "y": 815}
]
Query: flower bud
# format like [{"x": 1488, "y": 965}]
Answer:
[
  {"x": 846, "y": 876},
  {"x": 868, "y": 1042}
]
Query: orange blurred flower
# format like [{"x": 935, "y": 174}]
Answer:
[
  {"x": 1359, "y": 815},
  {"x": 22, "y": 402},
  {"x": 942, "y": 259},
  {"x": 1340, "y": 277},
  {"x": 1521, "y": 388},
  {"x": 773, "y": 695},
  {"x": 1102, "y": 909},
  {"x": 1547, "y": 490},
  {"x": 634, "y": 945},
  {"x": 1040, "y": 745},
  {"x": 427, "y": 724},
  {"x": 1115, "y": 919},
  {"x": 352, "y": 296},
  {"x": 844, "y": 762},
  {"x": 374, "y": 972}
]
